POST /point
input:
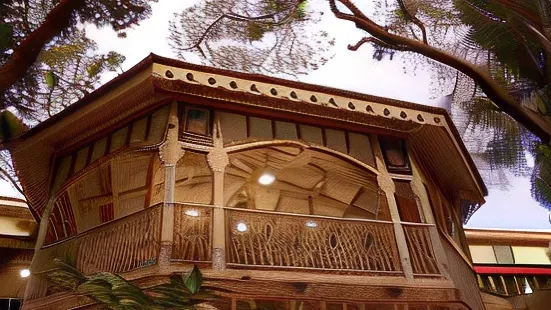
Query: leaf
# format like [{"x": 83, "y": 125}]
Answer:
[
  {"x": 541, "y": 176},
  {"x": 51, "y": 79},
  {"x": 194, "y": 280},
  {"x": 6, "y": 36},
  {"x": 94, "y": 68},
  {"x": 10, "y": 126}
]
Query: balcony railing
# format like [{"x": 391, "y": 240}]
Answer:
[
  {"x": 192, "y": 233},
  {"x": 269, "y": 239},
  {"x": 122, "y": 245},
  {"x": 421, "y": 252},
  {"x": 117, "y": 246}
]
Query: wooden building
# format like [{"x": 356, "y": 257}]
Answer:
[
  {"x": 288, "y": 194},
  {"x": 17, "y": 240},
  {"x": 513, "y": 267}
]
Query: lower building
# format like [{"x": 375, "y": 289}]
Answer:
[{"x": 513, "y": 267}]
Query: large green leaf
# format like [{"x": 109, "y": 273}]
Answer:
[
  {"x": 194, "y": 280},
  {"x": 10, "y": 126}
]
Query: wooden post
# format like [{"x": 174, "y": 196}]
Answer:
[
  {"x": 387, "y": 185},
  {"x": 170, "y": 152},
  {"x": 218, "y": 160},
  {"x": 419, "y": 189}
]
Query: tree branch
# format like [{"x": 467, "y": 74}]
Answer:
[
  {"x": 25, "y": 55},
  {"x": 242, "y": 18},
  {"x": 14, "y": 183},
  {"x": 373, "y": 40},
  {"x": 531, "y": 120},
  {"x": 414, "y": 19}
]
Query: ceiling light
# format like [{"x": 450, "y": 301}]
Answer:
[
  {"x": 24, "y": 273},
  {"x": 266, "y": 179},
  {"x": 191, "y": 212},
  {"x": 242, "y": 227}
]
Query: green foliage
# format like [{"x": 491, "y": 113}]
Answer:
[
  {"x": 301, "y": 10},
  {"x": 10, "y": 126},
  {"x": 277, "y": 37},
  {"x": 59, "y": 76},
  {"x": 114, "y": 292},
  {"x": 6, "y": 36},
  {"x": 51, "y": 79},
  {"x": 255, "y": 31},
  {"x": 194, "y": 280},
  {"x": 541, "y": 178}
]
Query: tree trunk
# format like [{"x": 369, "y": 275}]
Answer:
[{"x": 25, "y": 55}]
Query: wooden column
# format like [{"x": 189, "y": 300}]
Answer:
[
  {"x": 170, "y": 152},
  {"x": 36, "y": 285},
  {"x": 218, "y": 160},
  {"x": 419, "y": 190},
  {"x": 387, "y": 185}
]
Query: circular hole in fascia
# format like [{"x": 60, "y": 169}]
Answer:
[
  {"x": 233, "y": 84},
  {"x": 189, "y": 76},
  {"x": 212, "y": 81},
  {"x": 169, "y": 74}
]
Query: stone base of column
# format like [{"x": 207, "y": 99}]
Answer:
[
  {"x": 218, "y": 259},
  {"x": 165, "y": 253}
]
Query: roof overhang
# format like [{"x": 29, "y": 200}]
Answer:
[{"x": 157, "y": 80}]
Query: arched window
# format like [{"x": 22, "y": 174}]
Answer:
[{"x": 301, "y": 180}]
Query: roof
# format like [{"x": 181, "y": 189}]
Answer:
[
  {"x": 156, "y": 80},
  {"x": 525, "y": 237}
]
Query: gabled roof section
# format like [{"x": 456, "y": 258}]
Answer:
[{"x": 157, "y": 80}]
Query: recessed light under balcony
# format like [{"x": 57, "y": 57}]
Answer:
[{"x": 266, "y": 179}]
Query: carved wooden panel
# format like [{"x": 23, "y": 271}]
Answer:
[
  {"x": 193, "y": 179},
  {"x": 192, "y": 233},
  {"x": 285, "y": 241},
  {"x": 123, "y": 245},
  {"x": 423, "y": 259}
]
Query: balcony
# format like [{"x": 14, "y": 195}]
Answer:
[
  {"x": 254, "y": 240},
  {"x": 283, "y": 241}
]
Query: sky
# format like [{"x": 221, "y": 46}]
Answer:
[{"x": 355, "y": 71}]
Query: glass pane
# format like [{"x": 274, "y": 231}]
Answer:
[{"x": 197, "y": 121}]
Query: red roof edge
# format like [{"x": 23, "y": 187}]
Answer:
[{"x": 513, "y": 270}]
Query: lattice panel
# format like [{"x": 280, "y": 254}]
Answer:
[
  {"x": 192, "y": 233},
  {"x": 123, "y": 245},
  {"x": 421, "y": 252},
  {"x": 277, "y": 240}
]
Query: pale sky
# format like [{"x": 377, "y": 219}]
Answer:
[{"x": 355, "y": 71}]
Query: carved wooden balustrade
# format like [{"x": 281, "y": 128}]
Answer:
[
  {"x": 192, "y": 233},
  {"x": 130, "y": 243},
  {"x": 118, "y": 246},
  {"x": 421, "y": 252},
  {"x": 269, "y": 239}
]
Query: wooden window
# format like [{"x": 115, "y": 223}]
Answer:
[
  {"x": 197, "y": 121},
  {"x": 395, "y": 155},
  {"x": 407, "y": 202},
  {"x": 106, "y": 213}
]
